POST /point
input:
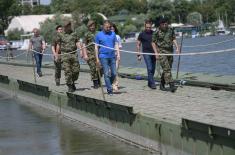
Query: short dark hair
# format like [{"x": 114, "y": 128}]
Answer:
[
  {"x": 148, "y": 21},
  {"x": 58, "y": 26},
  {"x": 106, "y": 22}
]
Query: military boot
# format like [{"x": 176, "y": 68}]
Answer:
[
  {"x": 96, "y": 84},
  {"x": 74, "y": 87},
  {"x": 173, "y": 88},
  {"x": 57, "y": 82},
  {"x": 70, "y": 88},
  {"x": 162, "y": 83}
]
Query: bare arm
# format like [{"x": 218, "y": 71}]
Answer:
[
  {"x": 43, "y": 46},
  {"x": 97, "y": 55},
  {"x": 138, "y": 45},
  {"x": 155, "y": 49},
  {"x": 176, "y": 46},
  {"x": 30, "y": 46},
  {"x": 57, "y": 49},
  {"x": 117, "y": 51}
]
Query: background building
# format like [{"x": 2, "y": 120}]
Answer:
[{"x": 30, "y": 2}]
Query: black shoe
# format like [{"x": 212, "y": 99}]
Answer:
[
  {"x": 57, "y": 82},
  {"x": 71, "y": 88},
  {"x": 96, "y": 84},
  {"x": 110, "y": 92},
  {"x": 152, "y": 86},
  {"x": 39, "y": 74},
  {"x": 162, "y": 86},
  {"x": 173, "y": 88},
  {"x": 74, "y": 87}
]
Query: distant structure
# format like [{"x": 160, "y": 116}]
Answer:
[
  {"x": 30, "y": 2},
  {"x": 28, "y": 22}
]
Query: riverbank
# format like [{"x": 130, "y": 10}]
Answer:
[{"x": 150, "y": 118}]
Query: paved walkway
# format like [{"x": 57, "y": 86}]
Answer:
[{"x": 199, "y": 104}]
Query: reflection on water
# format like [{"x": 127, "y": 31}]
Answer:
[{"x": 34, "y": 131}]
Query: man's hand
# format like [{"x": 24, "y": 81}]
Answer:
[
  {"x": 118, "y": 58},
  {"x": 138, "y": 57},
  {"x": 157, "y": 56},
  {"x": 98, "y": 63},
  {"x": 177, "y": 51},
  {"x": 85, "y": 57},
  {"x": 56, "y": 57}
]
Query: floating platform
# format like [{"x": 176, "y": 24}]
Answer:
[{"x": 192, "y": 121}]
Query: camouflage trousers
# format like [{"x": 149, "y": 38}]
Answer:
[
  {"x": 92, "y": 64},
  {"x": 71, "y": 67},
  {"x": 166, "y": 65},
  {"x": 57, "y": 69}
]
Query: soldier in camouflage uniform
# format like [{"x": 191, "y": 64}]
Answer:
[
  {"x": 57, "y": 59},
  {"x": 89, "y": 52},
  {"x": 162, "y": 42},
  {"x": 67, "y": 43}
]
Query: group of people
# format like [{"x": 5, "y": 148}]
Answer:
[{"x": 101, "y": 51}]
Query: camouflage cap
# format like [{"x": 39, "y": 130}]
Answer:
[
  {"x": 163, "y": 20},
  {"x": 90, "y": 22}
]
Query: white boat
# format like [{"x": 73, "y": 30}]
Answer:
[{"x": 221, "y": 29}]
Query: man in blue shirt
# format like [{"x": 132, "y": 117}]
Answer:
[{"x": 106, "y": 55}]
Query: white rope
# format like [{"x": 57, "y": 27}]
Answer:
[
  {"x": 64, "y": 53},
  {"x": 183, "y": 54},
  {"x": 13, "y": 57},
  {"x": 210, "y": 44}
]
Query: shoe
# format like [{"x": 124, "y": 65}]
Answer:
[
  {"x": 162, "y": 86},
  {"x": 173, "y": 88},
  {"x": 152, "y": 86},
  {"x": 115, "y": 87},
  {"x": 74, "y": 87},
  {"x": 71, "y": 88},
  {"x": 57, "y": 82},
  {"x": 39, "y": 74},
  {"x": 110, "y": 93},
  {"x": 96, "y": 84}
]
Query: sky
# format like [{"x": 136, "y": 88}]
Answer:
[{"x": 45, "y": 1}]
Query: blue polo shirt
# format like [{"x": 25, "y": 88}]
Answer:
[{"x": 107, "y": 39}]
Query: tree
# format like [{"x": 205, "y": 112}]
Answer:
[
  {"x": 158, "y": 8},
  {"x": 194, "y": 18},
  {"x": 182, "y": 8},
  {"x": 14, "y": 34},
  {"x": 47, "y": 28},
  {"x": 9, "y": 9}
]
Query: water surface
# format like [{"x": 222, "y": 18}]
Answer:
[{"x": 30, "y": 130}]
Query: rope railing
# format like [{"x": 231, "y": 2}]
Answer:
[
  {"x": 172, "y": 54},
  {"x": 132, "y": 52}
]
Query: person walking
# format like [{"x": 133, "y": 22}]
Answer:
[
  {"x": 162, "y": 42},
  {"x": 89, "y": 52},
  {"x": 67, "y": 42},
  {"x": 119, "y": 41},
  {"x": 57, "y": 58},
  {"x": 37, "y": 44},
  {"x": 145, "y": 40},
  {"x": 105, "y": 48}
]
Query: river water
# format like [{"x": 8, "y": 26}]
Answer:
[
  {"x": 220, "y": 63},
  {"x": 27, "y": 130}
]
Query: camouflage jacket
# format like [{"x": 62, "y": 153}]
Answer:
[
  {"x": 67, "y": 41},
  {"x": 164, "y": 39},
  {"x": 88, "y": 39}
]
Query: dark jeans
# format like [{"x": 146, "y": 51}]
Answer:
[
  {"x": 109, "y": 69},
  {"x": 150, "y": 62},
  {"x": 38, "y": 59}
]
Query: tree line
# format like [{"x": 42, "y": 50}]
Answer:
[{"x": 177, "y": 10}]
